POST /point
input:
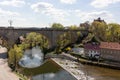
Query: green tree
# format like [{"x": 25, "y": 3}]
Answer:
[
  {"x": 11, "y": 56},
  {"x": 15, "y": 54},
  {"x": 73, "y": 27},
  {"x": 99, "y": 30},
  {"x": 32, "y": 39},
  {"x": 57, "y": 26},
  {"x": 63, "y": 41},
  {"x": 113, "y": 32}
]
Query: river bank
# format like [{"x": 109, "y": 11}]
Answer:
[
  {"x": 5, "y": 71},
  {"x": 73, "y": 68},
  {"x": 99, "y": 64}
]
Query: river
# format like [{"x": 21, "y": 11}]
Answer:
[
  {"x": 100, "y": 73},
  {"x": 49, "y": 70}
]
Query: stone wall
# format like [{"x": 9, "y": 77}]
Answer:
[{"x": 12, "y": 34}]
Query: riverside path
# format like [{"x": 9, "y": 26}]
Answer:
[{"x": 5, "y": 71}]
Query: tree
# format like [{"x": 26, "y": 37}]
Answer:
[
  {"x": 11, "y": 56},
  {"x": 63, "y": 41},
  {"x": 32, "y": 39},
  {"x": 99, "y": 30},
  {"x": 113, "y": 32},
  {"x": 85, "y": 25},
  {"x": 57, "y": 26},
  {"x": 73, "y": 27},
  {"x": 15, "y": 54},
  {"x": 36, "y": 39}
]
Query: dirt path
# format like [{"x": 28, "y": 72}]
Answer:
[{"x": 5, "y": 71}]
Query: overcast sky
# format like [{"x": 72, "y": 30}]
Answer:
[{"x": 42, "y": 13}]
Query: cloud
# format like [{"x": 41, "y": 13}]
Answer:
[
  {"x": 14, "y": 3},
  {"x": 103, "y": 3},
  {"x": 49, "y": 10},
  {"x": 90, "y": 16},
  {"x": 68, "y": 1},
  {"x": 8, "y": 13}
]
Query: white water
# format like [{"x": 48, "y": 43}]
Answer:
[{"x": 32, "y": 58}]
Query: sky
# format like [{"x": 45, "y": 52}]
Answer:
[{"x": 43, "y": 13}]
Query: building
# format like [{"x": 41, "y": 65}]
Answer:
[
  {"x": 99, "y": 20},
  {"x": 106, "y": 50},
  {"x": 92, "y": 50},
  {"x": 110, "y": 51}
]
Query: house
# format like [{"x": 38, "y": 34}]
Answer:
[
  {"x": 110, "y": 51},
  {"x": 92, "y": 50}
]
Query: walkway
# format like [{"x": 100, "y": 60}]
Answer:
[{"x": 5, "y": 71}]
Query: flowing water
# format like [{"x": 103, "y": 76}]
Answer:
[{"x": 49, "y": 70}]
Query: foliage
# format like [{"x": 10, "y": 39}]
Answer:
[
  {"x": 57, "y": 26},
  {"x": 99, "y": 30},
  {"x": 104, "y": 32},
  {"x": 113, "y": 32},
  {"x": 63, "y": 41},
  {"x": 3, "y": 42},
  {"x": 84, "y": 26},
  {"x": 15, "y": 54},
  {"x": 32, "y": 39},
  {"x": 73, "y": 27}
]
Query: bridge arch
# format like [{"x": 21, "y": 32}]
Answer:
[{"x": 38, "y": 38}]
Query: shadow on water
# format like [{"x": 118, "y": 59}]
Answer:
[
  {"x": 3, "y": 55},
  {"x": 48, "y": 71},
  {"x": 33, "y": 65}
]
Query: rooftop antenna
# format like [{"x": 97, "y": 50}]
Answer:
[{"x": 10, "y": 22}]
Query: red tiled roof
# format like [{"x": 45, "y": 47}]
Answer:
[
  {"x": 91, "y": 46},
  {"x": 110, "y": 45}
]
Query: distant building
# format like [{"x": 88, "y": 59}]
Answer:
[
  {"x": 99, "y": 20},
  {"x": 110, "y": 51},
  {"x": 92, "y": 50},
  {"x": 106, "y": 50}
]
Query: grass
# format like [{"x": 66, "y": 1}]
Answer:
[{"x": 21, "y": 76}]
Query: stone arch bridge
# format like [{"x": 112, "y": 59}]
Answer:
[{"x": 11, "y": 34}]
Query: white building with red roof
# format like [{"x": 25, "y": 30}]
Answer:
[
  {"x": 106, "y": 50},
  {"x": 92, "y": 50},
  {"x": 110, "y": 51}
]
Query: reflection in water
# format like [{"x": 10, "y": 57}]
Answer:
[
  {"x": 61, "y": 75},
  {"x": 32, "y": 58},
  {"x": 100, "y": 73}
]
